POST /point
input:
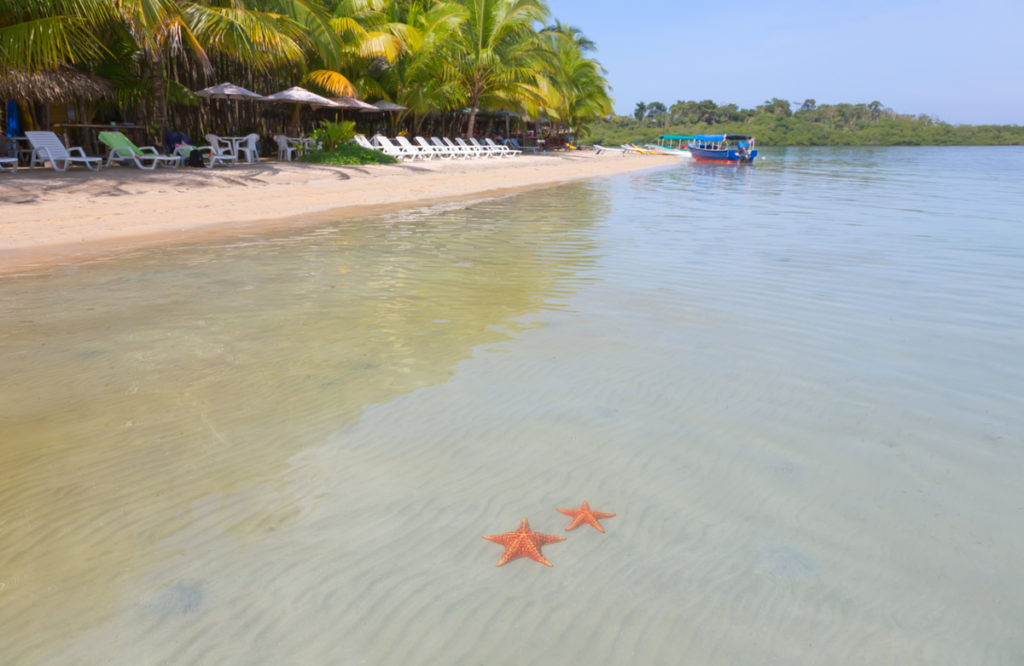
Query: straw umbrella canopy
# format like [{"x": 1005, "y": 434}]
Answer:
[
  {"x": 353, "y": 103},
  {"x": 298, "y": 96},
  {"x": 228, "y": 91},
  {"x": 55, "y": 86},
  {"x": 384, "y": 106}
]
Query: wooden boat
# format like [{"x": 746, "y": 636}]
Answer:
[
  {"x": 723, "y": 148},
  {"x": 671, "y": 144}
]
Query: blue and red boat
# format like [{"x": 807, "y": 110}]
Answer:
[{"x": 723, "y": 148}]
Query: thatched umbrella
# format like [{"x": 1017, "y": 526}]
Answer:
[
  {"x": 299, "y": 96},
  {"x": 384, "y": 106},
  {"x": 56, "y": 86},
  {"x": 353, "y": 103},
  {"x": 64, "y": 85},
  {"x": 227, "y": 91}
]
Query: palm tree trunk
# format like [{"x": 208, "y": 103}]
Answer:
[{"x": 159, "y": 115}]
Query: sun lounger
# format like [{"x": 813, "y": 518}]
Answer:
[
  {"x": 9, "y": 164},
  {"x": 123, "y": 150},
  {"x": 438, "y": 151},
  {"x": 452, "y": 149},
  {"x": 464, "y": 148},
  {"x": 46, "y": 147},
  {"x": 501, "y": 149},
  {"x": 487, "y": 151},
  {"x": 417, "y": 152},
  {"x": 474, "y": 151},
  {"x": 396, "y": 151},
  {"x": 365, "y": 143}
]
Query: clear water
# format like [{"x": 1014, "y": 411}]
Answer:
[{"x": 797, "y": 385}]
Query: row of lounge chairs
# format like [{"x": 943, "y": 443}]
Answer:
[
  {"x": 47, "y": 148},
  {"x": 444, "y": 148}
]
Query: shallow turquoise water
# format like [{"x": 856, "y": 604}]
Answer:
[{"x": 797, "y": 385}]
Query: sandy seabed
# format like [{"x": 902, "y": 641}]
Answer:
[{"x": 49, "y": 218}]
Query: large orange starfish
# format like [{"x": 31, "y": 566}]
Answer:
[
  {"x": 523, "y": 543},
  {"x": 585, "y": 515}
]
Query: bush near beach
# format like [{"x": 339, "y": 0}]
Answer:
[{"x": 347, "y": 154}]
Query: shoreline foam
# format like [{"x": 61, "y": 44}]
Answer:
[{"x": 49, "y": 219}]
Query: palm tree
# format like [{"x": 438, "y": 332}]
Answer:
[
  {"x": 575, "y": 90},
  {"x": 44, "y": 34},
  {"x": 415, "y": 79},
  {"x": 493, "y": 56}
]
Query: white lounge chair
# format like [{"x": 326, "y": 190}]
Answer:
[
  {"x": 486, "y": 151},
  {"x": 47, "y": 147},
  {"x": 501, "y": 149},
  {"x": 9, "y": 164},
  {"x": 465, "y": 151},
  {"x": 452, "y": 149},
  {"x": 391, "y": 149},
  {"x": 285, "y": 148},
  {"x": 474, "y": 151},
  {"x": 365, "y": 143},
  {"x": 417, "y": 152},
  {"x": 438, "y": 151}
]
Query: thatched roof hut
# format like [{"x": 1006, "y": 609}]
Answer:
[{"x": 58, "y": 86}]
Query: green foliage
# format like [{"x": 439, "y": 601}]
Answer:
[
  {"x": 347, "y": 154},
  {"x": 331, "y": 134},
  {"x": 774, "y": 123}
]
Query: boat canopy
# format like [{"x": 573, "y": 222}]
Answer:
[
  {"x": 723, "y": 137},
  {"x": 675, "y": 137}
]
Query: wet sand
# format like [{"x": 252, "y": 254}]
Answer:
[{"x": 49, "y": 218}]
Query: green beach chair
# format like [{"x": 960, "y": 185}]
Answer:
[{"x": 123, "y": 150}]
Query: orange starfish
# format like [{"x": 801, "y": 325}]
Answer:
[
  {"x": 523, "y": 543},
  {"x": 585, "y": 515}
]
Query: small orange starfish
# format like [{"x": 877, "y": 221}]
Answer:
[
  {"x": 523, "y": 543},
  {"x": 585, "y": 515}
]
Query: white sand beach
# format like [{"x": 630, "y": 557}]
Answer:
[{"x": 49, "y": 218}]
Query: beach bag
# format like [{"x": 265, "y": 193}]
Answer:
[{"x": 195, "y": 158}]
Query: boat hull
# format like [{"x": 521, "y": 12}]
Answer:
[
  {"x": 674, "y": 152},
  {"x": 722, "y": 156}
]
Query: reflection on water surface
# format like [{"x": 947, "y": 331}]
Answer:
[{"x": 793, "y": 385}]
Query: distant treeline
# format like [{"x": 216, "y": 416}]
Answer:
[{"x": 776, "y": 123}]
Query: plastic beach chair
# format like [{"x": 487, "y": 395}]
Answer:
[
  {"x": 440, "y": 151},
  {"x": 285, "y": 149},
  {"x": 9, "y": 164},
  {"x": 486, "y": 151},
  {"x": 462, "y": 148},
  {"x": 247, "y": 148},
  {"x": 452, "y": 149},
  {"x": 123, "y": 150},
  {"x": 391, "y": 149},
  {"x": 46, "y": 147},
  {"x": 474, "y": 151},
  {"x": 502, "y": 149},
  {"x": 417, "y": 152}
]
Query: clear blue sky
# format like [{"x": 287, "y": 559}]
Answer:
[{"x": 960, "y": 61}]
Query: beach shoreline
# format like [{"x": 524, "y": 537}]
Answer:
[{"x": 50, "y": 219}]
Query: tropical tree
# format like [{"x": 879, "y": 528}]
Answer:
[
  {"x": 38, "y": 35},
  {"x": 640, "y": 112},
  {"x": 573, "y": 86},
  {"x": 494, "y": 54},
  {"x": 415, "y": 79}
]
